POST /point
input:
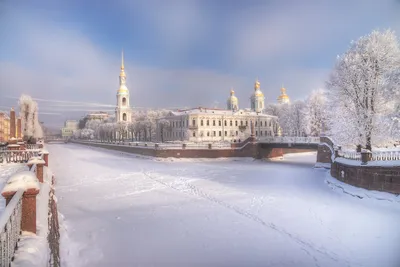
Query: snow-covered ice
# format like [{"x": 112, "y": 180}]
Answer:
[{"x": 122, "y": 210}]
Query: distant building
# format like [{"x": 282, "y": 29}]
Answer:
[
  {"x": 283, "y": 98},
  {"x": 69, "y": 127},
  {"x": 98, "y": 116},
  {"x": 4, "y": 126}
]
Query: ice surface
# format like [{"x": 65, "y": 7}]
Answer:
[{"x": 123, "y": 210}]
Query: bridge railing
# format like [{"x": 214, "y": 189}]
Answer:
[
  {"x": 10, "y": 228},
  {"x": 290, "y": 139}
]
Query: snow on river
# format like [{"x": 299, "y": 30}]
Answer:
[{"x": 122, "y": 210}]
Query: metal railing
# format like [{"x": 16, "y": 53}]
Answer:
[
  {"x": 10, "y": 229},
  {"x": 289, "y": 139},
  {"x": 32, "y": 146},
  {"x": 17, "y": 156}
]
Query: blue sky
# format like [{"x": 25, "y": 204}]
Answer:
[{"x": 178, "y": 53}]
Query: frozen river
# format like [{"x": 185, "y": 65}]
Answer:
[{"x": 120, "y": 210}]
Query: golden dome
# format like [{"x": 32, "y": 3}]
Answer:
[
  {"x": 258, "y": 93},
  {"x": 123, "y": 89},
  {"x": 283, "y": 98},
  {"x": 232, "y": 92}
]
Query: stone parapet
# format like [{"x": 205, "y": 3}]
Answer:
[{"x": 380, "y": 178}]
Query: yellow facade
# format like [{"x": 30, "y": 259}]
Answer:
[{"x": 4, "y": 127}]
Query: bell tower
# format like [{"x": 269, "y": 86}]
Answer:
[{"x": 123, "y": 112}]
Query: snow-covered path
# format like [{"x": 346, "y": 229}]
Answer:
[{"x": 120, "y": 210}]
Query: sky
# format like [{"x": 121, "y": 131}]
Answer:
[{"x": 178, "y": 53}]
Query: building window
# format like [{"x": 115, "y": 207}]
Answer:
[
  {"x": 124, "y": 117},
  {"x": 256, "y": 124},
  {"x": 187, "y": 123},
  {"x": 208, "y": 123},
  {"x": 266, "y": 133},
  {"x": 194, "y": 134},
  {"x": 180, "y": 124},
  {"x": 219, "y": 123},
  {"x": 226, "y": 133},
  {"x": 213, "y": 122},
  {"x": 260, "y": 133},
  {"x": 236, "y": 123},
  {"x": 256, "y": 133},
  {"x": 208, "y": 133},
  {"x": 230, "y": 123},
  {"x": 241, "y": 123},
  {"x": 214, "y": 134},
  {"x": 246, "y": 123},
  {"x": 201, "y": 122},
  {"x": 193, "y": 122},
  {"x": 220, "y": 133},
  {"x": 124, "y": 101},
  {"x": 237, "y": 133},
  {"x": 225, "y": 123}
]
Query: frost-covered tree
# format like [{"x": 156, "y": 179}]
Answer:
[
  {"x": 315, "y": 113},
  {"x": 31, "y": 127},
  {"x": 163, "y": 125},
  {"x": 291, "y": 118},
  {"x": 363, "y": 90}
]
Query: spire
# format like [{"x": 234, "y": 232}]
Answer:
[
  {"x": 122, "y": 60},
  {"x": 257, "y": 84}
]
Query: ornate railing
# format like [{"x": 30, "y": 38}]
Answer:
[
  {"x": 10, "y": 228},
  {"x": 17, "y": 156},
  {"x": 289, "y": 139}
]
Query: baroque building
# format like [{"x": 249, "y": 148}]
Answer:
[
  {"x": 215, "y": 125},
  {"x": 123, "y": 112}
]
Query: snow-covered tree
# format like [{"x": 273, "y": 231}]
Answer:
[
  {"x": 315, "y": 113},
  {"x": 31, "y": 127},
  {"x": 163, "y": 125},
  {"x": 363, "y": 90},
  {"x": 291, "y": 118}
]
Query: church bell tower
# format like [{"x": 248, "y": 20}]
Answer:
[{"x": 123, "y": 112}]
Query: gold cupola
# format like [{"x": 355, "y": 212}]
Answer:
[{"x": 283, "y": 98}]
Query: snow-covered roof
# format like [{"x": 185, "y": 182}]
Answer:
[
  {"x": 202, "y": 110},
  {"x": 21, "y": 180}
]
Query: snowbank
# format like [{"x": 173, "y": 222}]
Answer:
[{"x": 21, "y": 180}]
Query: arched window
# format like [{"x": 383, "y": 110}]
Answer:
[
  {"x": 124, "y": 116},
  {"x": 124, "y": 101}
]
